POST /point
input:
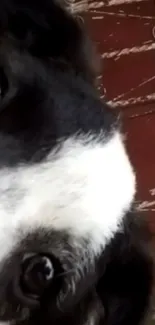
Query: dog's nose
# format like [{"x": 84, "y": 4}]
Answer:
[{"x": 37, "y": 273}]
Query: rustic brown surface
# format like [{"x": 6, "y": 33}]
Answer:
[
  {"x": 124, "y": 33},
  {"x": 125, "y": 36}
]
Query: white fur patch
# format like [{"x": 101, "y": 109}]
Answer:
[{"x": 84, "y": 189}]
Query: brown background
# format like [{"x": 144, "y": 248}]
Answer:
[{"x": 124, "y": 33}]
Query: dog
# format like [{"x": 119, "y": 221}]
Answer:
[{"x": 71, "y": 250}]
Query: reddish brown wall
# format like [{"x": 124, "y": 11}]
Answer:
[{"x": 123, "y": 30}]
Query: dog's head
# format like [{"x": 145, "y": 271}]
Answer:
[{"x": 65, "y": 179}]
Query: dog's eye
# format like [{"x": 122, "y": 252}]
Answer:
[
  {"x": 3, "y": 83},
  {"x": 37, "y": 273}
]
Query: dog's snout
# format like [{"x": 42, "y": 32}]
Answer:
[{"x": 37, "y": 274}]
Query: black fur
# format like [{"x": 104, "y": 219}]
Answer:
[
  {"x": 48, "y": 94},
  {"x": 45, "y": 68}
]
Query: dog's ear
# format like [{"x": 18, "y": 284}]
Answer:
[
  {"x": 124, "y": 289},
  {"x": 47, "y": 30},
  {"x": 42, "y": 26}
]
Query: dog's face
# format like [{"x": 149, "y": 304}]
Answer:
[{"x": 65, "y": 179}]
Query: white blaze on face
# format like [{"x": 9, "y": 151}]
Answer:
[{"x": 84, "y": 189}]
